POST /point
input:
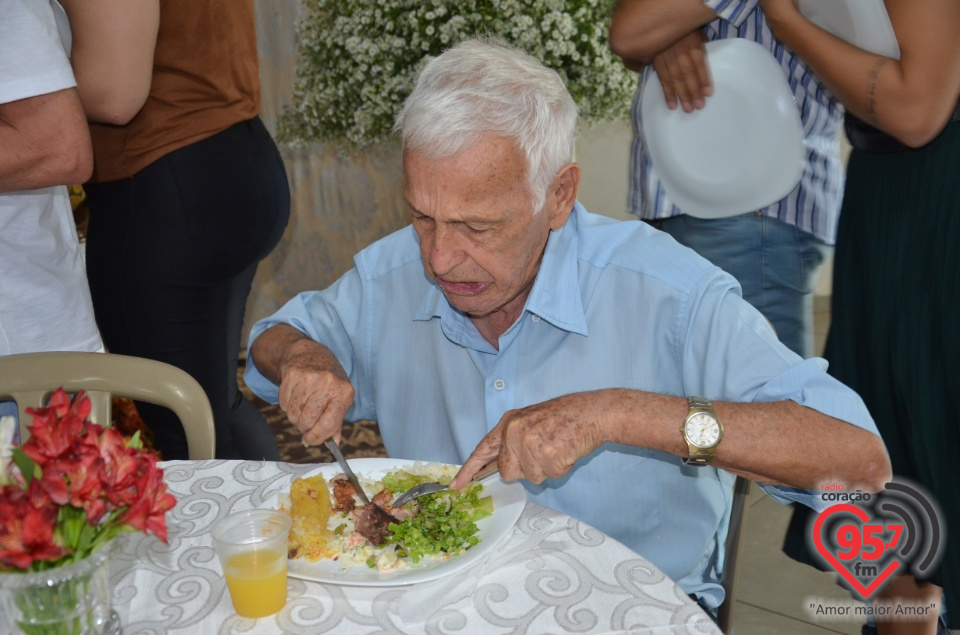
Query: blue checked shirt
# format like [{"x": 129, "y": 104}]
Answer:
[
  {"x": 615, "y": 304},
  {"x": 814, "y": 205}
]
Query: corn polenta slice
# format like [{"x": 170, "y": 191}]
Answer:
[{"x": 310, "y": 511}]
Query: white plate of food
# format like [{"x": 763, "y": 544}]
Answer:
[
  {"x": 863, "y": 23},
  {"x": 740, "y": 153},
  {"x": 351, "y": 567}
]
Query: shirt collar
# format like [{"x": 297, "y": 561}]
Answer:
[{"x": 555, "y": 296}]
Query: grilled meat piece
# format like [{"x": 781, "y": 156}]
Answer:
[
  {"x": 382, "y": 498},
  {"x": 343, "y": 493},
  {"x": 373, "y": 523},
  {"x": 402, "y": 513}
]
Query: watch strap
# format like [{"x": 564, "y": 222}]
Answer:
[{"x": 699, "y": 403}]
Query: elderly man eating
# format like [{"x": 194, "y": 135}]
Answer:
[{"x": 620, "y": 375}]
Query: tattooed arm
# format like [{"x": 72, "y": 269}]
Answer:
[{"x": 911, "y": 98}]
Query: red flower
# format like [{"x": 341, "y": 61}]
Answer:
[
  {"x": 122, "y": 467},
  {"x": 148, "y": 512},
  {"x": 55, "y": 428},
  {"x": 27, "y": 532},
  {"x": 86, "y": 484},
  {"x": 72, "y": 479}
]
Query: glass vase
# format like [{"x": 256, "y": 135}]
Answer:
[{"x": 70, "y": 600}]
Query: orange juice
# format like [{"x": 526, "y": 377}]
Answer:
[{"x": 257, "y": 581}]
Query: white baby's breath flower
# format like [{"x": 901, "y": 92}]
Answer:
[{"x": 359, "y": 60}]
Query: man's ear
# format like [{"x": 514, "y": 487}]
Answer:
[{"x": 563, "y": 194}]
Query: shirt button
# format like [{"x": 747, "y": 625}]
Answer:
[
  {"x": 536, "y": 318},
  {"x": 499, "y": 384}
]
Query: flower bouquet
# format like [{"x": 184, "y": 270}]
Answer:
[
  {"x": 360, "y": 60},
  {"x": 69, "y": 490}
]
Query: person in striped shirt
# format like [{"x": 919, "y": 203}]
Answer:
[{"x": 775, "y": 252}]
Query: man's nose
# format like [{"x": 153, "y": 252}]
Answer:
[{"x": 446, "y": 250}]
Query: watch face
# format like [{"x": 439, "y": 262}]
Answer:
[{"x": 702, "y": 430}]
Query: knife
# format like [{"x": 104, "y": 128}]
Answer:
[{"x": 338, "y": 455}]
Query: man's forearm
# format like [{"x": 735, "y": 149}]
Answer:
[
  {"x": 315, "y": 391},
  {"x": 278, "y": 345},
  {"x": 768, "y": 442},
  {"x": 45, "y": 141},
  {"x": 271, "y": 347}
]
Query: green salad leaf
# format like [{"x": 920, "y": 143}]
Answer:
[
  {"x": 446, "y": 522},
  {"x": 401, "y": 480}
]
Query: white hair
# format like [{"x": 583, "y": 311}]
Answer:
[{"x": 487, "y": 86}]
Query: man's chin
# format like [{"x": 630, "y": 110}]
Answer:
[
  {"x": 470, "y": 311},
  {"x": 469, "y": 306}
]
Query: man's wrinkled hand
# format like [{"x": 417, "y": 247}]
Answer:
[
  {"x": 314, "y": 392},
  {"x": 540, "y": 441},
  {"x": 684, "y": 74}
]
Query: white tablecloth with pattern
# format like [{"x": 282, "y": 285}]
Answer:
[{"x": 554, "y": 574}]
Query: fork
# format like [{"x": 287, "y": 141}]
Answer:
[{"x": 432, "y": 488}]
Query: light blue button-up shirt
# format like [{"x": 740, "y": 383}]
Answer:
[{"x": 615, "y": 305}]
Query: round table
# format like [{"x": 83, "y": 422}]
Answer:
[{"x": 554, "y": 574}]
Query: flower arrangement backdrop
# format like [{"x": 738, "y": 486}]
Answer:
[
  {"x": 343, "y": 202},
  {"x": 359, "y": 60}
]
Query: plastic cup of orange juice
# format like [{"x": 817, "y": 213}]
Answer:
[{"x": 252, "y": 546}]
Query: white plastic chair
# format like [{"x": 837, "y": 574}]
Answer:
[{"x": 30, "y": 379}]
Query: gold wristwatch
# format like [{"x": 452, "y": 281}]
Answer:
[{"x": 702, "y": 432}]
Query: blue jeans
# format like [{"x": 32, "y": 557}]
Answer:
[{"x": 775, "y": 263}]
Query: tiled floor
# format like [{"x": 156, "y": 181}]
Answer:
[
  {"x": 774, "y": 590},
  {"x": 773, "y": 594}
]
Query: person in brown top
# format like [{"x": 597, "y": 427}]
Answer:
[{"x": 188, "y": 194}]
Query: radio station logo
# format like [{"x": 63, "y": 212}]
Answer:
[{"x": 869, "y": 538}]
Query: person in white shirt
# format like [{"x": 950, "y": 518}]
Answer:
[{"x": 44, "y": 297}]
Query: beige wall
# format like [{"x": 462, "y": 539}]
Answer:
[
  {"x": 338, "y": 204},
  {"x": 603, "y": 152}
]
